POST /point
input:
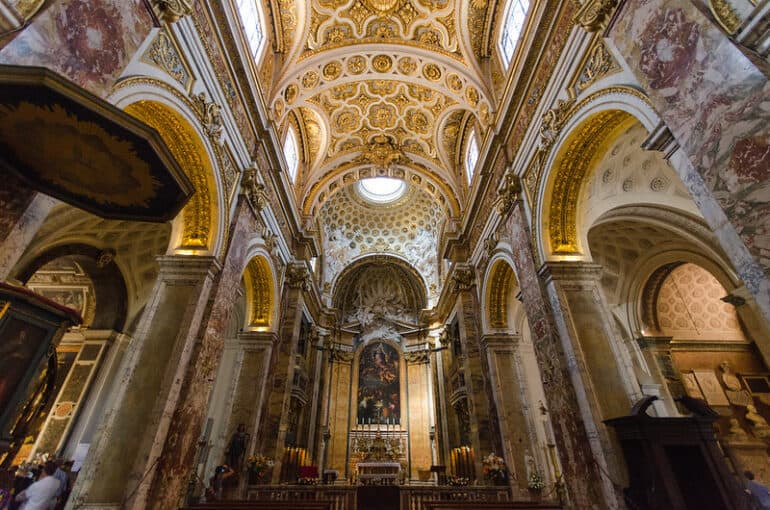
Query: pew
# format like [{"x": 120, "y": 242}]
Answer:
[
  {"x": 481, "y": 505},
  {"x": 262, "y": 505}
]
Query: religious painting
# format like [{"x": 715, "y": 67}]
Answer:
[
  {"x": 379, "y": 387},
  {"x": 20, "y": 349}
]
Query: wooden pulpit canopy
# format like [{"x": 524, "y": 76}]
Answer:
[{"x": 68, "y": 143}]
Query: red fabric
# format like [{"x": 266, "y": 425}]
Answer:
[{"x": 308, "y": 471}]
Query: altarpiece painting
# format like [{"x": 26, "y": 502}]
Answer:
[{"x": 379, "y": 385}]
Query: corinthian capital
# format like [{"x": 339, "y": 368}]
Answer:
[
  {"x": 172, "y": 11},
  {"x": 594, "y": 14}
]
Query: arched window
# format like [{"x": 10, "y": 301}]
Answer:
[
  {"x": 471, "y": 155},
  {"x": 290, "y": 153},
  {"x": 252, "y": 25},
  {"x": 512, "y": 28}
]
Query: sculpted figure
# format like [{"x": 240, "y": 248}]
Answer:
[{"x": 758, "y": 423}]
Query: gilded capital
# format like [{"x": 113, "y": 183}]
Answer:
[
  {"x": 594, "y": 14},
  {"x": 298, "y": 276},
  {"x": 463, "y": 278},
  {"x": 508, "y": 194},
  {"x": 253, "y": 189},
  {"x": 172, "y": 11}
]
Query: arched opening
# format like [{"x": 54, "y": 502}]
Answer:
[
  {"x": 260, "y": 296},
  {"x": 200, "y": 217}
]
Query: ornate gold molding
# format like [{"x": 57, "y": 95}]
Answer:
[
  {"x": 500, "y": 280},
  {"x": 172, "y": 11},
  {"x": 726, "y": 16},
  {"x": 187, "y": 147},
  {"x": 463, "y": 278},
  {"x": 572, "y": 165},
  {"x": 259, "y": 292},
  {"x": 594, "y": 14},
  {"x": 164, "y": 54},
  {"x": 297, "y": 276},
  {"x": 210, "y": 115}
]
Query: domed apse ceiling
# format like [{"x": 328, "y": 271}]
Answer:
[{"x": 408, "y": 226}]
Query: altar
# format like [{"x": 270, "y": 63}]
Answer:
[{"x": 378, "y": 473}]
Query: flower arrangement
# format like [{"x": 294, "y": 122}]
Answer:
[
  {"x": 494, "y": 468},
  {"x": 457, "y": 481},
  {"x": 535, "y": 481},
  {"x": 259, "y": 466}
]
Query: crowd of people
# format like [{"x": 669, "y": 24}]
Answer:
[{"x": 34, "y": 486}]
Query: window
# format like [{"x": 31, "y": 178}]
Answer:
[
  {"x": 381, "y": 190},
  {"x": 252, "y": 25},
  {"x": 290, "y": 153},
  {"x": 512, "y": 27},
  {"x": 471, "y": 155}
]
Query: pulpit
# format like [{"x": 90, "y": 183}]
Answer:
[{"x": 675, "y": 463}]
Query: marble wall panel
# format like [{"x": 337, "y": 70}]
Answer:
[
  {"x": 419, "y": 418},
  {"x": 88, "y": 41},
  {"x": 339, "y": 417},
  {"x": 715, "y": 99}
]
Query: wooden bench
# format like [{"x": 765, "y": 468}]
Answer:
[
  {"x": 480, "y": 505},
  {"x": 262, "y": 505}
]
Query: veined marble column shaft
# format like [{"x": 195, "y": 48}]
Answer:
[
  {"x": 120, "y": 454},
  {"x": 184, "y": 412},
  {"x": 714, "y": 98},
  {"x": 574, "y": 427},
  {"x": 485, "y": 429},
  {"x": 274, "y": 426},
  {"x": 581, "y": 315}
]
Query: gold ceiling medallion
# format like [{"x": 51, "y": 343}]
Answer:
[
  {"x": 431, "y": 72},
  {"x": 472, "y": 95},
  {"x": 310, "y": 79},
  {"x": 382, "y": 63},
  {"x": 382, "y": 6},
  {"x": 291, "y": 93},
  {"x": 356, "y": 64},
  {"x": 454, "y": 83},
  {"x": 407, "y": 65},
  {"x": 332, "y": 70}
]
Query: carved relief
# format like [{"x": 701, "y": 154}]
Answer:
[{"x": 164, "y": 54}]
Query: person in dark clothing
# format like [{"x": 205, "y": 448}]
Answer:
[{"x": 236, "y": 450}]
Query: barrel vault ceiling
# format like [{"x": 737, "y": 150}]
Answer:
[{"x": 381, "y": 87}]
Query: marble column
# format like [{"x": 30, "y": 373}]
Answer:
[
  {"x": 176, "y": 442},
  {"x": 22, "y": 212},
  {"x": 509, "y": 390},
  {"x": 574, "y": 426},
  {"x": 275, "y": 425},
  {"x": 713, "y": 96},
  {"x": 485, "y": 430},
  {"x": 119, "y": 457}
]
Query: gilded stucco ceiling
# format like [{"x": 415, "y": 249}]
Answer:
[{"x": 382, "y": 85}]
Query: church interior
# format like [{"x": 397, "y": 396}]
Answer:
[{"x": 386, "y": 254}]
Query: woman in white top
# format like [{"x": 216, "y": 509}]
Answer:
[{"x": 41, "y": 495}]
